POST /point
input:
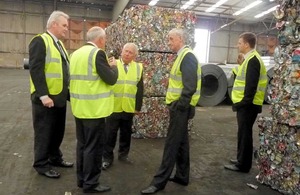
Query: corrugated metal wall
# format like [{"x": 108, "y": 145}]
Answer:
[
  {"x": 223, "y": 42},
  {"x": 20, "y": 20}
]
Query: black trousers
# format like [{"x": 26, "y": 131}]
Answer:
[
  {"x": 246, "y": 117},
  {"x": 49, "y": 129},
  {"x": 116, "y": 121},
  {"x": 176, "y": 150},
  {"x": 90, "y": 138}
]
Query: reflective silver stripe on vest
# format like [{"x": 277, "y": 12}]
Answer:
[
  {"x": 243, "y": 88},
  {"x": 90, "y": 96},
  {"x": 174, "y": 77},
  {"x": 124, "y": 95},
  {"x": 178, "y": 91},
  {"x": 243, "y": 74},
  {"x": 89, "y": 76},
  {"x": 53, "y": 75},
  {"x": 175, "y": 90},
  {"x": 49, "y": 53},
  {"x": 126, "y": 82}
]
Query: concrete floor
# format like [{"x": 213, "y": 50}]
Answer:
[{"x": 212, "y": 141}]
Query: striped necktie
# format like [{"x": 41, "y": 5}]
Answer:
[{"x": 126, "y": 67}]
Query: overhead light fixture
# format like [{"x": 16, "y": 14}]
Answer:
[
  {"x": 255, "y": 3},
  {"x": 266, "y": 12},
  {"x": 213, "y": 7},
  {"x": 187, "y": 4},
  {"x": 153, "y": 2}
]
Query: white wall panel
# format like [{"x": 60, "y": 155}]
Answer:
[
  {"x": 11, "y": 42},
  {"x": 11, "y": 60},
  {"x": 217, "y": 54},
  {"x": 34, "y": 7},
  {"x": 11, "y": 23},
  {"x": 34, "y": 24},
  {"x": 13, "y": 5}
]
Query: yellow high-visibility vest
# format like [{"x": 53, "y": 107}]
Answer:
[
  {"x": 126, "y": 87},
  {"x": 240, "y": 81},
  {"x": 53, "y": 67},
  {"x": 235, "y": 70},
  {"x": 91, "y": 97},
  {"x": 175, "y": 81}
]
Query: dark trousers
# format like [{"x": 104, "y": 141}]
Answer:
[
  {"x": 49, "y": 129},
  {"x": 246, "y": 117},
  {"x": 116, "y": 121},
  {"x": 176, "y": 151},
  {"x": 90, "y": 138}
]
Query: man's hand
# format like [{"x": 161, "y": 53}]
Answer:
[
  {"x": 47, "y": 102},
  {"x": 112, "y": 61}
]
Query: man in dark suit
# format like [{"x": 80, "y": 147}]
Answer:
[
  {"x": 92, "y": 100},
  {"x": 248, "y": 94},
  {"x": 182, "y": 96},
  {"x": 49, "y": 81}
]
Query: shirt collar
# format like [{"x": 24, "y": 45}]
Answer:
[
  {"x": 92, "y": 44},
  {"x": 124, "y": 62},
  {"x": 185, "y": 46},
  {"x": 247, "y": 54},
  {"x": 53, "y": 36}
]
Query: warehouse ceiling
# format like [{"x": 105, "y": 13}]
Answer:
[{"x": 225, "y": 11}]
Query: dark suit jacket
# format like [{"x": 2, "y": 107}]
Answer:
[{"x": 37, "y": 55}]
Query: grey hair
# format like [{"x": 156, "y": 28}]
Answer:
[
  {"x": 55, "y": 16},
  {"x": 134, "y": 46},
  {"x": 94, "y": 33},
  {"x": 179, "y": 32}
]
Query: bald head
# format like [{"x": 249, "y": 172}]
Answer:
[{"x": 96, "y": 35}]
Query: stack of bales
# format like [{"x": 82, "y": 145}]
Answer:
[
  {"x": 148, "y": 27},
  {"x": 279, "y": 152}
]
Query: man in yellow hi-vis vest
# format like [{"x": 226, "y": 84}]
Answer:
[
  {"x": 247, "y": 96},
  {"x": 182, "y": 96},
  {"x": 92, "y": 100},
  {"x": 128, "y": 98},
  {"x": 49, "y": 81}
]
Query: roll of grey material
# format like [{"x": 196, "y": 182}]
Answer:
[
  {"x": 214, "y": 85},
  {"x": 26, "y": 63},
  {"x": 230, "y": 78},
  {"x": 270, "y": 73}
]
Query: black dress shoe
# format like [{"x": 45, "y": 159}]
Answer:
[
  {"x": 51, "y": 174},
  {"x": 62, "y": 163},
  {"x": 150, "y": 190},
  {"x": 235, "y": 168},
  {"x": 178, "y": 181},
  {"x": 234, "y": 161},
  {"x": 97, "y": 189}
]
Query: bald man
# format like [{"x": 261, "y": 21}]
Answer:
[{"x": 128, "y": 97}]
